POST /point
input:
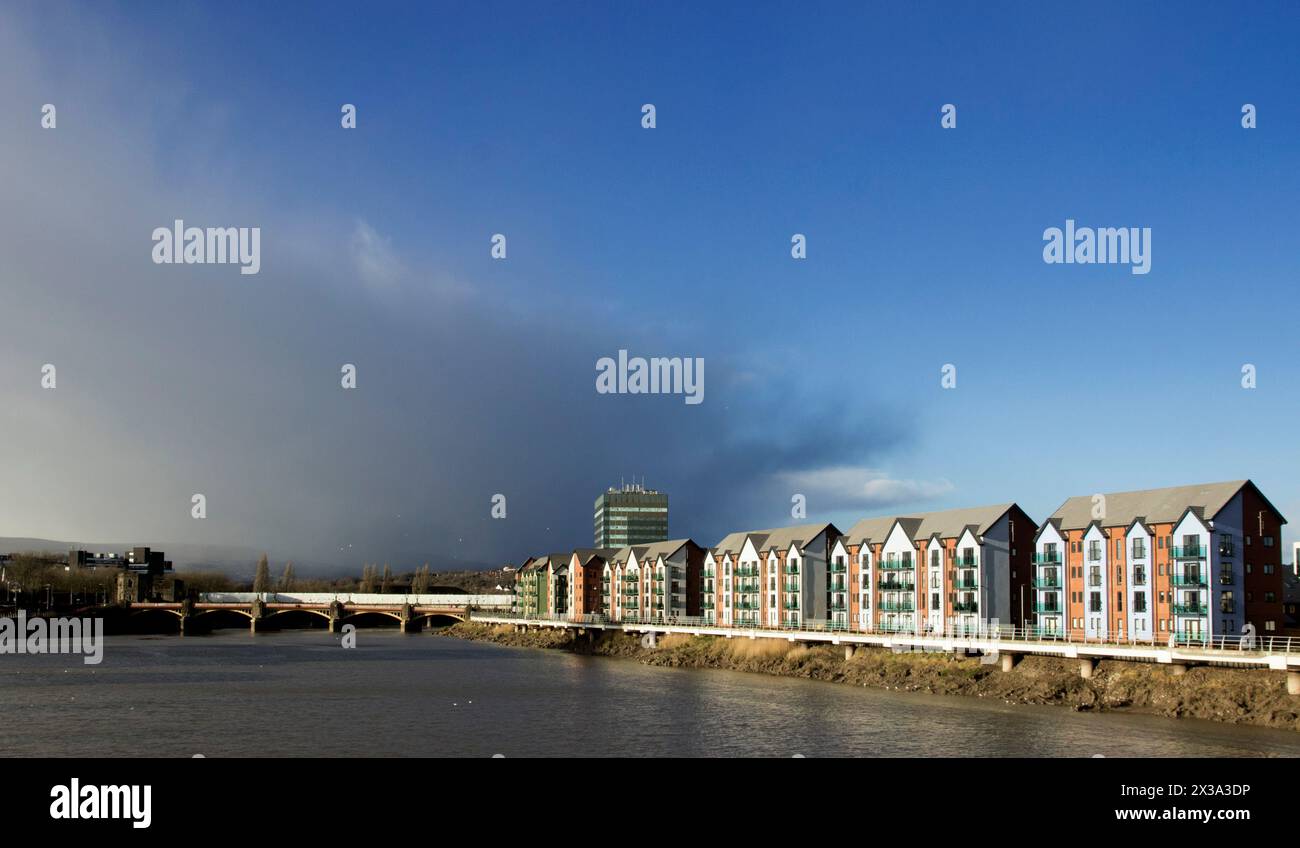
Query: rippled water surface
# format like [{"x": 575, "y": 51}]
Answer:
[{"x": 301, "y": 694}]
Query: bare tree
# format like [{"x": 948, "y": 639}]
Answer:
[
  {"x": 388, "y": 579},
  {"x": 286, "y": 579}
]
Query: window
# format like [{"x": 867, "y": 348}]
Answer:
[
  {"x": 1269, "y": 626},
  {"x": 1268, "y": 541},
  {"x": 1270, "y": 597},
  {"x": 1119, "y": 547},
  {"x": 1268, "y": 569},
  {"x": 1139, "y": 602},
  {"x": 1094, "y": 550},
  {"x": 1139, "y": 548}
]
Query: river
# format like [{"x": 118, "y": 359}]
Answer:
[{"x": 301, "y": 694}]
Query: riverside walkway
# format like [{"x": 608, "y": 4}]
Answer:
[{"x": 1003, "y": 644}]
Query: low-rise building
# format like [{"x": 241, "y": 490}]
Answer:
[
  {"x": 949, "y": 571},
  {"x": 1181, "y": 563}
]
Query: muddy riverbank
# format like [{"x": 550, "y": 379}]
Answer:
[{"x": 1218, "y": 694}]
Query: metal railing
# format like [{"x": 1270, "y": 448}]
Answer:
[{"x": 1030, "y": 634}]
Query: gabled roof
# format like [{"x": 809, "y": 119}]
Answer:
[
  {"x": 730, "y": 544},
  {"x": 586, "y": 555},
  {"x": 779, "y": 538},
  {"x": 654, "y": 550},
  {"x": 946, "y": 524},
  {"x": 1155, "y": 506}
]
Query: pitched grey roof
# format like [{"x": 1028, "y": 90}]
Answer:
[
  {"x": 730, "y": 544},
  {"x": 585, "y": 555},
  {"x": 654, "y": 550},
  {"x": 781, "y": 538},
  {"x": 947, "y": 524},
  {"x": 1155, "y": 506}
]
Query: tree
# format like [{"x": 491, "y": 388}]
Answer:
[
  {"x": 262, "y": 578},
  {"x": 388, "y": 579},
  {"x": 420, "y": 582},
  {"x": 286, "y": 579},
  {"x": 367, "y": 579}
]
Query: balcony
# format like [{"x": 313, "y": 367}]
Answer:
[
  {"x": 747, "y": 571},
  {"x": 966, "y": 583},
  {"x": 896, "y": 585},
  {"x": 840, "y": 568},
  {"x": 965, "y": 606},
  {"x": 1051, "y": 558},
  {"x": 1053, "y": 582},
  {"x": 1048, "y": 607},
  {"x": 792, "y": 570},
  {"x": 1190, "y": 609},
  {"x": 790, "y": 587},
  {"x": 1188, "y": 552},
  {"x": 896, "y": 565},
  {"x": 745, "y": 605},
  {"x": 1197, "y": 580},
  {"x": 965, "y": 563},
  {"x": 839, "y": 606},
  {"x": 791, "y": 605},
  {"x": 897, "y": 606}
]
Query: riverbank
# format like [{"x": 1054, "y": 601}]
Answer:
[{"x": 1233, "y": 696}]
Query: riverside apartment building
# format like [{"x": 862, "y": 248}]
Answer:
[
  {"x": 655, "y": 582},
  {"x": 945, "y": 571},
  {"x": 772, "y": 578},
  {"x": 1188, "y": 562}
]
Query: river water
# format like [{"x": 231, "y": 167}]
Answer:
[{"x": 302, "y": 694}]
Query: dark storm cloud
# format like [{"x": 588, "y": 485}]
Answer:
[{"x": 175, "y": 380}]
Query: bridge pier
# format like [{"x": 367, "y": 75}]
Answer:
[
  {"x": 1178, "y": 669},
  {"x": 849, "y": 651},
  {"x": 187, "y": 611},
  {"x": 1293, "y": 682},
  {"x": 1086, "y": 668},
  {"x": 255, "y": 621},
  {"x": 1009, "y": 661}
]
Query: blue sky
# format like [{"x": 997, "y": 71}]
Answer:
[{"x": 924, "y": 248}]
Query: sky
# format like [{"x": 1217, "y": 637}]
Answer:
[{"x": 476, "y": 376}]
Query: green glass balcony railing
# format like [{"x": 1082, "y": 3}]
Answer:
[
  {"x": 1192, "y": 579},
  {"x": 895, "y": 585},
  {"x": 896, "y": 565},
  {"x": 966, "y": 583},
  {"x": 1047, "y": 582},
  {"x": 1187, "y": 552},
  {"x": 1052, "y": 558},
  {"x": 965, "y": 606},
  {"x": 897, "y": 606},
  {"x": 1047, "y": 607},
  {"x": 1190, "y": 609}
]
